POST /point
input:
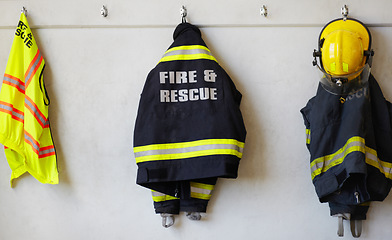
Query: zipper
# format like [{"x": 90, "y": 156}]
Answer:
[{"x": 356, "y": 194}]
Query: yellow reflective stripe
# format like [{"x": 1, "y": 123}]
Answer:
[
  {"x": 354, "y": 144},
  {"x": 188, "y": 47},
  {"x": 187, "y": 57},
  {"x": 307, "y": 136},
  {"x": 160, "y": 197},
  {"x": 201, "y": 196},
  {"x": 202, "y": 185},
  {"x": 188, "y": 144},
  {"x": 188, "y": 155},
  {"x": 322, "y": 164},
  {"x": 372, "y": 159},
  {"x": 190, "y": 52},
  {"x": 201, "y": 190}
]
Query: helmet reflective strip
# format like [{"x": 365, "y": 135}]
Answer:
[
  {"x": 345, "y": 67},
  {"x": 192, "y": 52},
  {"x": 354, "y": 144},
  {"x": 188, "y": 150}
]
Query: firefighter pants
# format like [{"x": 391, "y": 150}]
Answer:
[{"x": 190, "y": 196}]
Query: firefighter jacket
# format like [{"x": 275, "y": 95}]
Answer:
[
  {"x": 349, "y": 139},
  {"x": 189, "y": 125},
  {"x": 24, "y": 124}
]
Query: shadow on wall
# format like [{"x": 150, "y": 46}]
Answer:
[
  {"x": 53, "y": 114},
  {"x": 251, "y": 168}
]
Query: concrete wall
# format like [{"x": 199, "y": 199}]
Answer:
[{"x": 96, "y": 68}]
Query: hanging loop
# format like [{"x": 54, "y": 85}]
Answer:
[
  {"x": 183, "y": 13},
  {"x": 344, "y": 12}
]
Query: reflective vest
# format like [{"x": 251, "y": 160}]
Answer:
[
  {"x": 189, "y": 125},
  {"x": 24, "y": 124},
  {"x": 349, "y": 139}
]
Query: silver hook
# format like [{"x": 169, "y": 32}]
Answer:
[
  {"x": 183, "y": 13},
  {"x": 344, "y": 12},
  {"x": 104, "y": 11},
  {"x": 24, "y": 11},
  {"x": 263, "y": 11}
]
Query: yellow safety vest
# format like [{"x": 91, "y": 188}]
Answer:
[{"x": 24, "y": 124}]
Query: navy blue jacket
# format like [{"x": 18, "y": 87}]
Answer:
[
  {"x": 350, "y": 143},
  {"x": 189, "y": 125}
]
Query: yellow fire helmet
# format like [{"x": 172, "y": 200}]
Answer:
[{"x": 345, "y": 55}]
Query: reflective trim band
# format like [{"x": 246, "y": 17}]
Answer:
[
  {"x": 191, "y": 52},
  {"x": 32, "y": 142},
  {"x": 30, "y": 105},
  {"x": 372, "y": 159},
  {"x": 33, "y": 67},
  {"x": 47, "y": 151},
  {"x": 307, "y": 136},
  {"x": 9, "y": 109},
  {"x": 183, "y": 150},
  {"x": 14, "y": 82},
  {"x": 160, "y": 197},
  {"x": 201, "y": 190},
  {"x": 354, "y": 144}
]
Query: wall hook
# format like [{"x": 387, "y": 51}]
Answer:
[
  {"x": 104, "y": 11},
  {"x": 24, "y": 10},
  {"x": 263, "y": 11},
  {"x": 183, "y": 13},
  {"x": 344, "y": 12}
]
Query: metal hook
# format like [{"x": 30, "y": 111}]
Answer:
[
  {"x": 263, "y": 11},
  {"x": 104, "y": 11},
  {"x": 344, "y": 12},
  {"x": 24, "y": 11},
  {"x": 183, "y": 13}
]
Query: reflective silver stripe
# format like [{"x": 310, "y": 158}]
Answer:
[
  {"x": 307, "y": 136},
  {"x": 19, "y": 84},
  {"x": 187, "y": 52},
  {"x": 35, "y": 146},
  {"x": 32, "y": 69},
  {"x": 18, "y": 115},
  {"x": 37, "y": 113},
  {"x": 373, "y": 160},
  {"x": 157, "y": 194},
  {"x": 201, "y": 190},
  {"x": 188, "y": 149},
  {"x": 341, "y": 155},
  {"x": 50, "y": 150}
]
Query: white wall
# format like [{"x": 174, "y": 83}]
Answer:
[{"x": 96, "y": 68}]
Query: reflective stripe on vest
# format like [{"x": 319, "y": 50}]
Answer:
[
  {"x": 189, "y": 52},
  {"x": 201, "y": 190},
  {"x": 200, "y": 148},
  {"x": 354, "y": 144}
]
